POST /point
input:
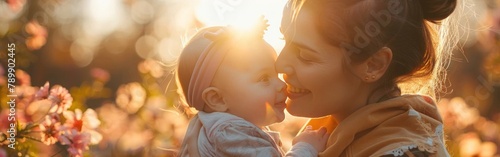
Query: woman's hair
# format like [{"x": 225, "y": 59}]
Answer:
[{"x": 410, "y": 28}]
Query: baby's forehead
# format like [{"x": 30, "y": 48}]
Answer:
[{"x": 247, "y": 55}]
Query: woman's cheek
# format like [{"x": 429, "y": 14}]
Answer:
[{"x": 328, "y": 88}]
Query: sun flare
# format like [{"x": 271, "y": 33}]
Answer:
[{"x": 244, "y": 14}]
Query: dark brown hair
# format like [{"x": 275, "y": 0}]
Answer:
[{"x": 362, "y": 27}]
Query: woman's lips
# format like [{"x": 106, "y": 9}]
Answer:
[{"x": 294, "y": 92}]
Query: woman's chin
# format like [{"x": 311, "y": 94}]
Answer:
[
  {"x": 296, "y": 108},
  {"x": 297, "y": 111},
  {"x": 302, "y": 109}
]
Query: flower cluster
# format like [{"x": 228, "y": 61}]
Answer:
[
  {"x": 43, "y": 115},
  {"x": 143, "y": 119}
]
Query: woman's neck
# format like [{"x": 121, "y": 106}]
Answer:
[
  {"x": 384, "y": 92},
  {"x": 366, "y": 97}
]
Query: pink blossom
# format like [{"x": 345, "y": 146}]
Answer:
[
  {"x": 50, "y": 129},
  {"x": 43, "y": 92},
  {"x": 77, "y": 141},
  {"x": 61, "y": 99},
  {"x": 84, "y": 123},
  {"x": 73, "y": 119},
  {"x": 79, "y": 121}
]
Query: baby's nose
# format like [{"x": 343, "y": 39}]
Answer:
[{"x": 281, "y": 86}]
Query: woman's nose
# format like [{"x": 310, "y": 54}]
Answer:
[{"x": 283, "y": 65}]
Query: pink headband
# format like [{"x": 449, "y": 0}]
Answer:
[{"x": 205, "y": 68}]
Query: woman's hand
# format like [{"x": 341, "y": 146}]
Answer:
[{"x": 316, "y": 138}]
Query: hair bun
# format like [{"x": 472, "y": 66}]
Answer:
[{"x": 436, "y": 10}]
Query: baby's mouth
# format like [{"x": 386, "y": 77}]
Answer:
[{"x": 281, "y": 104}]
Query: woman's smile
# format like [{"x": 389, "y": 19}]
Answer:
[{"x": 295, "y": 92}]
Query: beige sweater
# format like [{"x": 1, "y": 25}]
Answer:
[{"x": 391, "y": 127}]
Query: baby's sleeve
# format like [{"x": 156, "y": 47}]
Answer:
[
  {"x": 302, "y": 149},
  {"x": 233, "y": 139}
]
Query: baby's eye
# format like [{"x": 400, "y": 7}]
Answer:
[{"x": 264, "y": 78}]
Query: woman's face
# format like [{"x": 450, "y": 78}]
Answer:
[{"x": 318, "y": 84}]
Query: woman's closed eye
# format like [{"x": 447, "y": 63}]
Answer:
[
  {"x": 300, "y": 54},
  {"x": 303, "y": 58}
]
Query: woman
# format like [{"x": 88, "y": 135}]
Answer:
[{"x": 345, "y": 61}]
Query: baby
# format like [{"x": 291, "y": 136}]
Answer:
[{"x": 229, "y": 77}]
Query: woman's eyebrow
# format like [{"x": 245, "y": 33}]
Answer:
[
  {"x": 304, "y": 46},
  {"x": 296, "y": 43}
]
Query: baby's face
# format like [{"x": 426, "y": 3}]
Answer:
[{"x": 250, "y": 85}]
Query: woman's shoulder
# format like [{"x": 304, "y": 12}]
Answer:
[{"x": 415, "y": 128}]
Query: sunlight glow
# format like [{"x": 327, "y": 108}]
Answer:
[{"x": 244, "y": 14}]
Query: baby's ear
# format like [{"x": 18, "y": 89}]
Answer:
[{"x": 214, "y": 99}]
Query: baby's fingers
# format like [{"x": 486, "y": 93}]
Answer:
[
  {"x": 308, "y": 128},
  {"x": 325, "y": 137},
  {"x": 322, "y": 131},
  {"x": 323, "y": 134}
]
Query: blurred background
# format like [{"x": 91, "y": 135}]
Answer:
[{"x": 116, "y": 59}]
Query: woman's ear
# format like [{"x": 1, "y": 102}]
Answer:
[
  {"x": 214, "y": 99},
  {"x": 377, "y": 65}
]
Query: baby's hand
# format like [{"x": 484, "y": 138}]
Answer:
[{"x": 317, "y": 138}]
